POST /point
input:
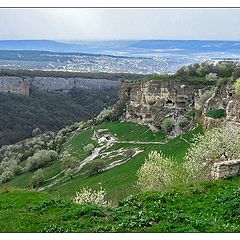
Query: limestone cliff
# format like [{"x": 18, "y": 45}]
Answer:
[
  {"x": 149, "y": 102},
  {"x": 17, "y": 85},
  {"x": 224, "y": 97}
]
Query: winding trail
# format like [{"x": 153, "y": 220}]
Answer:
[
  {"x": 96, "y": 153},
  {"x": 136, "y": 142}
]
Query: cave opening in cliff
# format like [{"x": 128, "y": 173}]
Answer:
[{"x": 169, "y": 102}]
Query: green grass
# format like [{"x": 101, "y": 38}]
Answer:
[
  {"x": 207, "y": 206},
  {"x": 119, "y": 182},
  {"x": 216, "y": 113},
  {"x": 128, "y": 131}
]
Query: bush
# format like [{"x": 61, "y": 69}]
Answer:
[
  {"x": 37, "y": 179},
  {"x": 41, "y": 159},
  {"x": 6, "y": 176},
  {"x": 88, "y": 148},
  {"x": 69, "y": 173},
  {"x": 216, "y": 113},
  {"x": 96, "y": 167},
  {"x": 216, "y": 145},
  {"x": 183, "y": 123},
  {"x": 130, "y": 152},
  {"x": 211, "y": 77},
  {"x": 204, "y": 97},
  {"x": 107, "y": 114},
  {"x": 237, "y": 87},
  {"x": 156, "y": 173},
  {"x": 167, "y": 125},
  {"x": 88, "y": 196}
]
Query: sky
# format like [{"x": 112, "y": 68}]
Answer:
[{"x": 119, "y": 24}]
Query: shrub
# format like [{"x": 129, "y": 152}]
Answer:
[
  {"x": 156, "y": 173},
  {"x": 216, "y": 113},
  {"x": 89, "y": 196},
  {"x": 211, "y": 77},
  {"x": 205, "y": 96},
  {"x": 69, "y": 162},
  {"x": 221, "y": 81},
  {"x": 203, "y": 69},
  {"x": 69, "y": 173},
  {"x": 6, "y": 176},
  {"x": 130, "y": 152},
  {"x": 183, "y": 123},
  {"x": 36, "y": 131},
  {"x": 88, "y": 148},
  {"x": 41, "y": 159},
  {"x": 37, "y": 179},
  {"x": 96, "y": 167},
  {"x": 167, "y": 125},
  {"x": 106, "y": 114},
  {"x": 237, "y": 86},
  {"x": 216, "y": 145}
]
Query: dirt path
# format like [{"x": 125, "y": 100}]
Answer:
[
  {"x": 136, "y": 142},
  {"x": 96, "y": 153},
  {"x": 120, "y": 162}
]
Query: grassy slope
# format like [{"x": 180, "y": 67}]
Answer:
[
  {"x": 119, "y": 181},
  {"x": 208, "y": 206}
]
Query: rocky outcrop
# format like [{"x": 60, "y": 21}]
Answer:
[
  {"x": 21, "y": 86},
  {"x": 15, "y": 85},
  {"x": 149, "y": 102},
  {"x": 224, "y": 98},
  {"x": 226, "y": 169},
  {"x": 66, "y": 84}
]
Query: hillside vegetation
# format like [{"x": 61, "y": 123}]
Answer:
[
  {"x": 203, "y": 207},
  {"x": 48, "y": 111},
  {"x": 109, "y": 175},
  {"x": 118, "y": 181}
]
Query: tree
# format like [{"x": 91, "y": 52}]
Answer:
[
  {"x": 41, "y": 159},
  {"x": 211, "y": 77},
  {"x": 36, "y": 131},
  {"x": 156, "y": 173},
  {"x": 167, "y": 125},
  {"x": 37, "y": 179},
  {"x": 183, "y": 122},
  {"x": 183, "y": 71},
  {"x": 218, "y": 144},
  {"x": 69, "y": 173},
  {"x": 130, "y": 152},
  {"x": 6, "y": 176},
  {"x": 88, "y": 148},
  {"x": 237, "y": 86},
  {"x": 204, "y": 97},
  {"x": 96, "y": 167},
  {"x": 203, "y": 69}
]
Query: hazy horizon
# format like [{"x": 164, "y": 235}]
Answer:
[{"x": 72, "y": 25}]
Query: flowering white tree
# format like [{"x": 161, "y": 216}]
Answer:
[
  {"x": 90, "y": 196},
  {"x": 218, "y": 144},
  {"x": 157, "y": 172}
]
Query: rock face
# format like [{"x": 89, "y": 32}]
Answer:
[
  {"x": 15, "y": 85},
  {"x": 226, "y": 169},
  {"x": 224, "y": 98},
  {"x": 149, "y": 102},
  {"x": 21, "y": 86}
]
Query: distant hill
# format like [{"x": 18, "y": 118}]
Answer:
[
  {"x": 40, "y": 45},
  {"x": 102, "y": 47}
]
